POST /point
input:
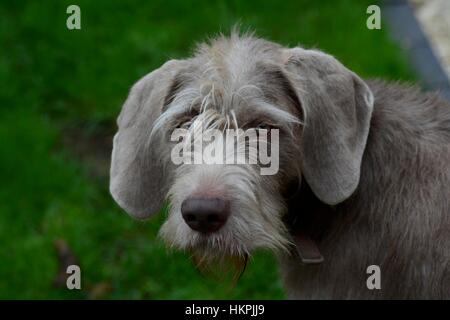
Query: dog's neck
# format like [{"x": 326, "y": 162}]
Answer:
[{"x": 308, "y": 220}]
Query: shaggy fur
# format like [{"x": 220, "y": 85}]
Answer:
[{"x": 364, "y": 167}]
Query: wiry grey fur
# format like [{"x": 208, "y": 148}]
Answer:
[{"x": 364, "y": 166}]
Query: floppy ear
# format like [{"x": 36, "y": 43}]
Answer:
[
  {"x": 136, "y": 176},
  {"x": 337, "y": 107}
]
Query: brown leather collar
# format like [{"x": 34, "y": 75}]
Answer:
[{"x": 307, "y": 249}]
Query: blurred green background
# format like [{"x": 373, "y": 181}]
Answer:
[{"x": 60, "y": 93}]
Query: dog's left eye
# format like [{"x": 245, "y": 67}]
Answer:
[{"x": 265, "y": 126}]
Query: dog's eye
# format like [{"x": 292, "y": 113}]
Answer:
[
  {"x": 265, "y": 126},
  {"x": 183, "y": 123},
  {"x": 186, "y": 120}
]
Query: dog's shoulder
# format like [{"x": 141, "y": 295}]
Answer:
[{"x": 404, "y": 112}]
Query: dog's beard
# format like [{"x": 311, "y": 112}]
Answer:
[{"x": 226, "y": 268}]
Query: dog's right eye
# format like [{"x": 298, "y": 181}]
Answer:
[{"x": 185, "y": 121}]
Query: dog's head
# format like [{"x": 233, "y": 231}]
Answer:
[{"x": 317, "y": 110}]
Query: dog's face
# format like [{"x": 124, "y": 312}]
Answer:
[
  {"x": 310, "y": 112},
  {"x": 226, "y": 207}
]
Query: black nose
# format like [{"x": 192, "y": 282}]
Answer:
[{"x": 205, "y": 215}]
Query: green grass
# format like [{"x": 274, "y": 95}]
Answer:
[{"x": 56, "y": 81}]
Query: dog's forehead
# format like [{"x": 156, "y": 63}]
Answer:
[
  {"x": 259, "y": 87},
  {"x": 267, "y": 99},
  {"x": 243, "y": 75}
]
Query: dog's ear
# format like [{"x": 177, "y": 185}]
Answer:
[
  {"x": 136, "y": 176},
  {"x": 337, "y": 107}
]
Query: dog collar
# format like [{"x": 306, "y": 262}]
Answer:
[{"x": 307, "y": 249}]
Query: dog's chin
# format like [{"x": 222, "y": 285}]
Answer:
[
  {"x": 218, "y": 255},
  {"x": 223, "y": 266}
]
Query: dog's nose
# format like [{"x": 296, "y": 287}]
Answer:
[{"x": 205, "y": 215}]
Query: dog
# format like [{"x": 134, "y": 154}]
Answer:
[{"x": 363, "y": 179}]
